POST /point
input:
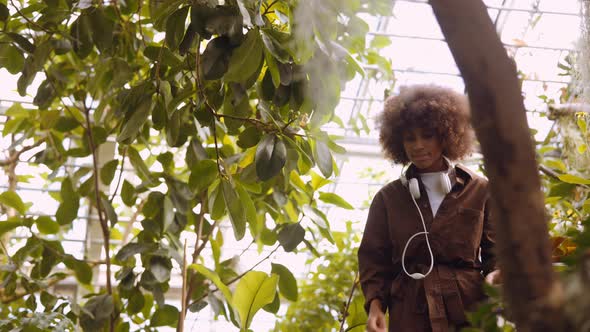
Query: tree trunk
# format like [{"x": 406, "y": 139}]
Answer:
[{"x": 532, "y": 292}]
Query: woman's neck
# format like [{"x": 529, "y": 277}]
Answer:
[{"x": 437, "y": 166}]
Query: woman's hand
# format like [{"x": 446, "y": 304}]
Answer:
[
  {"x": 494, "y": 278},
  {"x": 376, "y": 321}
]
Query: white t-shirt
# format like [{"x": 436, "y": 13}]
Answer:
[{"x": 434, "y": 189}]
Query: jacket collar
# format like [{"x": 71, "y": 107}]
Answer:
[{"x": 459, "y": 174}]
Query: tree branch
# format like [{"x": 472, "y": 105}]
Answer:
[
  {"x": 14, "y": 157},
  {"x": 499, "y": 119}
]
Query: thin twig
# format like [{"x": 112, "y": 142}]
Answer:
[
  {"x": 120, "y": 175},
  {"x": 184, "y": 294},
  {"x": 103, "y": 223},
  {"x": 345, "y": 313}
]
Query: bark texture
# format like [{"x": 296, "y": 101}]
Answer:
[{"x": 532, "y": 292}]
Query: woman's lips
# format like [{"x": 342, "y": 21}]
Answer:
[{"x": 419, "y": 157}]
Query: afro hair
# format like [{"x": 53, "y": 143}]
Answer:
[{"x": 429, "y": 107}]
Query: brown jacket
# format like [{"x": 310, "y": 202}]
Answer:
[{"x": 461, "y": 228}]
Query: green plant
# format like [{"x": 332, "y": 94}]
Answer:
[{"x": 218, "y": 110}]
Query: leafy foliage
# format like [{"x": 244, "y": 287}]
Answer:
[
  {"x": 325, "y": 291},
  {"x": 217, "y": 108}
]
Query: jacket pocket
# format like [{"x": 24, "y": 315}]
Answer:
[{"x": 469, "y": 226}]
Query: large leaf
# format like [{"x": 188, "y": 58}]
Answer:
[
  {"x": 9, "y": 225},
  {"x": 287, "y": 282},
  {"x": 290, "y": 236},
  {"x": 335, "y": 199},
  {"x": 255, "y": 290},
  {"x": 131, "y": 126},
  {"x": 165, "y": 316},
  {"x": 46, "y": 225},
  {"x": 70, "y": 203},
  {"x": 271, "y": 155},
  {"x": 237, "y": 214},
  {"x": 215, "y": 58},
  {"x": 12, "y": 59},
  {"x": 569, "y": 178},
  {"x": 323, "y": 157},
  {"x": 107, "y": 172},
  {"x": 246, "y": 58},
  {"x": 175, "y": 27},
  {"x": 13, "y": 200},
  {"x": 202, "y": 175},
  {"x": 211, "y": 275}
]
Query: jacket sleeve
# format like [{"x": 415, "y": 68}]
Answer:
[
  {"x": 488, "y": 241},
  {"x": 374, "y": 255}
]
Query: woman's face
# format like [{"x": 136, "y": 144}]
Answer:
[{"x": 424, "y": 149}]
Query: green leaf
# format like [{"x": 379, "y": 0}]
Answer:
[
  {"x": 254, "y": 290},
  {"x": 202, "y": 175},
  {"x": 12, "y": 59},
  {"x": 336, "y": 200},
  {"x": 139, "y": 165},
  {"x": 316, "y": 216},
  {"x": 165, "y": 316},
  {"x": 102, "y": 29},
  {"x": 134, "y": 248},
  {"x": 4, "y": 12},
  {"x": 271, "y": 155},
  {"x": 215, "y": 58},
  {"x": 236, "y": 211},
  {"x": 287, "y": 282},
  {"x": 168, "y": 213},
  {"x": 211, "y": 275},
  {"x": 70, "y": 203},
  {"x": 81, "y": 32},
  {"x": 569, "y": 178},
  {"x": 175, "y": 27},
  {"x": 323, "y": 157},
  {"x": 66, "y": 123},
  {"x": 22, "y": 42},
  {"x": 128, "y": 194},
  {"x": 136, "y": 301},
  {"x": 9, "y": 225},
  {"x": 110, "y": 211},
  {"x": 107, "y": 172},
  {"x": 274, "y": 306},
  {"x": 96, "y": 312},
  {"x": 290, "y": 236},
  {"x": 162, "y": 55},
  {"x": 248, "y": 204},
  {"x": 82, "y": 270},
  {"x": 46, "y": 225},
  {"x": 249, "y": 137},
  {"x": 160, "y": 268},
  {"x": 246, "y": 58},
  {"x": 13, "y": 200},
  {"x": 131, "y": 127},
  {"x": 160, "y": 10}
]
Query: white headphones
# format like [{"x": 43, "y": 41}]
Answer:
[{"x": 414, "y": 189}]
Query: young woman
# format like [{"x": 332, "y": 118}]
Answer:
[{"x": 428, "y": 242}]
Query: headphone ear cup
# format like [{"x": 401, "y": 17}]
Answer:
[
  {"x": 414, "y": 188},
  {"x": 403, "y": 180},
  {"x": 445, "y": 182}
]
